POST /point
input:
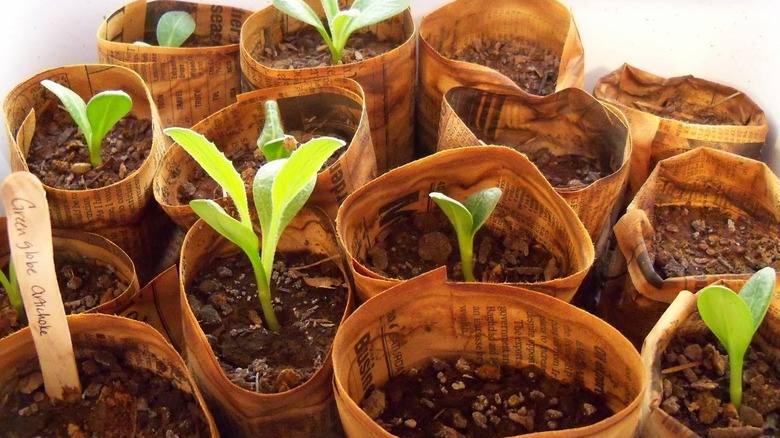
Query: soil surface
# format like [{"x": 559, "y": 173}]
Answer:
[
  {"x": 707, "y": 241},
  {"x": 194, "y": 40},
  {"x": 423, "y": 241},
  {"x": 310, "y": 298},
  {"x": 696, "y": 389},
  {"x": 677, "y": 108},
  {"x": 118, "y": 401},
  {"x": 307, "y": 49},
  {"x": 59, "y": 155},
  {"x": 458, "y": 398},
  {"x": 84, "y": 284},
  {"x": 533, "y": 68}
]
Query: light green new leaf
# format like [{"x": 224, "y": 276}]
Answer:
[
  {"x": 331, "y": 8},
  {"x": 373, "y": 11},
  {"x": 339, "y": 29},
  {"x": 11, "y": 286},
  {"x": 216, "y": 165},
  {"x": 727, "y": 316},
  {"x": 457, "y": 213},
  {"x": 213, "y": 214},
  {"x": 273, "y": 127},
  {"x": 262, "y": 189},
  {"x": 757, "y": 293},
  {"x": 300, "y": 10},
  {"x": 174, "y": 28},
  {"x": 73, "y": 104},
  {"x": 481, "y": 204},
  {"x": 103, "y": 111}
]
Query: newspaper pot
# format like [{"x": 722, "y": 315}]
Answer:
[
  {"x": 136, "y": 343},
  {"x": 701, "y": 177},
  {"x": 569, "y": 122},
  {"x": 681, "y": 318},
  {"x": 529, "y": 205},
  {"x": 335, "y": 107},
  {"x": 123, "y": 205},
  {"x": 454, "y": 26},
  {"x": 725, "y": 118},
  {"x": 428, "y": 316},
  {"x": 305, "y": 411},
  {"x": 187, "y": 83},
  {"x": 388, "y": 79}
]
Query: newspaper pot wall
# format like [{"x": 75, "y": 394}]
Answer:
[
  {"x": 427, "y": 316},
  {"x": 681, "y": 319},
  {"x": 304, "y": 411},
  {"x": 671, "y": 116},
  {"x": 528, "y": 206},
  {"x": 743, "y": 189},
  {"x": 125, "y": 206},
  {"x": 336, "y": 108},
  {"x": 189, "y": 82},
  {"x": 134, "y": 343},
  {"x": 457, "y": 25},
  {"x": 388, "y": 79},
  {"x": 567, "y": 123}
]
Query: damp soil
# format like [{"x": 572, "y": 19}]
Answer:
[
  {"x": 84, "y": 284},
  {"x": 707, "y": 241},
  {"x": 310, "y": 298},
  {"x": 423, "y": 241},
  {"x": 118, "y": 401},
  {"x": 533, "y": 68},
  {"x": 678, "y": 108},
  {"x": 695, "y": 371},
  {"x": 307, "y": 49},
  {"x": 59, "y": 155},
  {"x": 456, "y": 397}
]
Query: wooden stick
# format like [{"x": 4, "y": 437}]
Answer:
[{"x": 29, "y": 235}]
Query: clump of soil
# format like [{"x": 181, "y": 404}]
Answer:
[
  {"x": 695, "y": 372},
  {"x": 678, "y": 108},
  {"x": 84, "y": 284},
  {"x": 426, "y": 240},
  {"x": 533, "y": 68},
  {"x": 310, "y": 298},
  {"x": 458, "y": 398},
  {"x": 118, "y": 400},
  {"x": 307, "y": 49},
  {"x": 692, "y": 240},
  {"x": 59, "y": 155}
]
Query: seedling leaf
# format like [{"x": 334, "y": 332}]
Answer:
[
  {"x": 757, "y": 293},
  {"x": 103, "y": 111},
  {"x": 174, "y": 28},
  {"x": 11, "y": 286},
  {"x": 373, "y": 11},
  {"x": 72, "y": 102},
  {"x": 457, "y": 213},
  {"x": 481, "y": 204},
  {"x": 233, "y": 230},
  {"x": 301, "y": 11}
]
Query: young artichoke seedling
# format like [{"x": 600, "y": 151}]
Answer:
[
  {"x": 280, "y": 189},
  {"x": 273, "y": 142},
  {"x": 95, "y": 118},
  {"x": 11, "y": 287},
  {"x": 734, "y": 320},
  {"x": 341, "y": 24},
  {"x": 173, "y": 29},
  {"x": 467, "y": 218}
]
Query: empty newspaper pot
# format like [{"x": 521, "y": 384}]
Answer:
[
  {"x": 429, "y": 317},
  {"x": 745, "y": 190},
  {"x": 568, "y": 123},
  {"x": 189, "y": 82},
  {"x": 547, "y": 24},
  {"x": 307, "y": 410},
  {"x": 529, "y": 207},
  {"x": 671, "y": 116},
  {"x": 336, "y": 109},
  {"x": 133, "y": 343},
  {"x": 387, "y": 79}
]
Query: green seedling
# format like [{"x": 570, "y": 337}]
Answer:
[
  {"x": 467, "y": 218},
  {"x": 95, "y": 118},
  {"x": 273, "y": 142},
  {"x": 174, "y": 28},
  {"x": 734, "y": 319},
  {"x": 279, "y": 190},
  {"x": 341, "y": 24},
  {"x": 11, "y": 287}
]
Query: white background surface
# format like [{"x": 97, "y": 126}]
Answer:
[{"x": 731, "y": 42}]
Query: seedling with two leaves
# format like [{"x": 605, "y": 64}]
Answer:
[
  {"x": 173, "y": 29},
  {"x": 341, "y": 24},
  {"x": 734, "y": 319},
  {"x": 467, "y": 218}
]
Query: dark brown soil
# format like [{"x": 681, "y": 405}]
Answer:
[
  {"x": 708, "y": 241},
  {"x": 210, "y": 40},
  {"x": 676, "y": 107},
  {"x": 310, "y": 298},
  {"x": 59, "y": 155},
  {"x": 459, "y": 398},
  {"x": 84, "y": 284},
  {"x": 423, "y": 241},
  {"x": 533, "y": 68},
  {"x": 307, "y": 49},
  {"x": 118, "y": 401},
  {"x": 696, "y": 389}
]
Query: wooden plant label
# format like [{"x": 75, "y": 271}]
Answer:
[{"x": 29, "y": 236}]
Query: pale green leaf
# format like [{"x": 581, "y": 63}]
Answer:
[
  {"x": 299, "y": 10},
  {"x": 373, "y": 11},
  {"x": 216, "y": 165},
  {"x": 103, "y": 111},
  {"x": 174, "y": 28},
  {"x": 757, "y": 294},
  {"x": 213, "y": 214},
  {"x": 727, "y": 316},
  {"x": 331, "y": 8},
  {"x": 73, "y": 104},
  {"x": 262, "y": 189},
  {"x": 273, "y": 127},
  {"x": 339, "y": 29},
  {"x": 481, "y": 204},
  {"x": 456, "y": 212}
]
